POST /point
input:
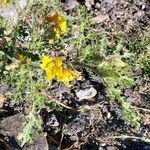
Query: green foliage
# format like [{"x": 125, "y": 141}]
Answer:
[
  {"x": 26, "y": 82},
  {"x": 129, "y": 113},
  {"x": 32, "y": 124},
  {"x": 135, "y": 50},
  {"x": 117, "y": 79},
  {"x": 107, "y": 57},
  {"x": 102, "y": 58},
  {"x": 24, "y": 76},
  {"x": 82, "y": 37},
  {"x": 142, "y": 59}
]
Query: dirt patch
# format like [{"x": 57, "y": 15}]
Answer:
[{"x": 86, "y": 119}]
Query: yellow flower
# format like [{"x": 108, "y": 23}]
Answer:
[
  {"x": 49, "y": 74},
  {"x": 59, "y": 24},
  {"x": 58, "y": 66},
  {"x": 69, "y": 75},
  {"x": 46, "y": 62},
  {"x": 53, "y": 68}
]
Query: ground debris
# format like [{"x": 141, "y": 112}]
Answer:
[
  {"x": 99, "y": 19},
  {"x": 10, "y": 127},
  {"x": 130, "y": 15}
]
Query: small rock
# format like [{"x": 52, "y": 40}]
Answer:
[
  {"x": 52, "y": 121},
  {"x": 103, "y": 144},
  {"x": 97, "y": 5},
  {"x": 89, "y": 3},
  {"x": 21, "y": 4},
  {"x": 10, "y": 14},
  {"x": 143, "y": 7},
  {"x": 12, "y": 124},
  {"x": 147, "y": 147},
  {"x": 86, "y": 93},
  {"x": 70, "y": 4},
  {"x": 79, "y": 124},
  {"x": 108, "y": 115},
  {"x": 40, "y": 143},
  {"x": 3, "y": 89}
]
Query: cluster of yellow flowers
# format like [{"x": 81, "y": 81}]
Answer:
[
  {"x": 59, "y": 25},
  {"x": 53, "y": 68}
]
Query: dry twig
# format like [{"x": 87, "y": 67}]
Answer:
[
  {"x": 131, "y": 137},
  {"x": 57, "y": 102}
]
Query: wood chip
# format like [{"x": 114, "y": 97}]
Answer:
[
  {"x": 2, "y": 100},
  {"x": 100, "y": 18}
]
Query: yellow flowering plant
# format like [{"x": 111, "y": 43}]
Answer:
[
  {"x": 53, "y": 68},
  {"x": 68, "y": 75},
  {"x": 59, "y": 25}
]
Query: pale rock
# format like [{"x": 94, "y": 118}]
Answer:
[
  {"x": 10, "y": 14},
  {"x": 86, "y": 93}
]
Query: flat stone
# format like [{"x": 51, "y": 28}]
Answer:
[{"x": 86, "y": 93}]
